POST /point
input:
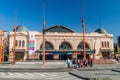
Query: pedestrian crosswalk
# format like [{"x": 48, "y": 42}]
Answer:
[{"x": 38, "y": 75}]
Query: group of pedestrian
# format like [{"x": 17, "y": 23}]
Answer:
[{"x": 78, "y": 63}]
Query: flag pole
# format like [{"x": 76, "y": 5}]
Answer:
[
  {"x": 14, "y": 52},
  {"x": 44, "y": 27},
  {"x": 83, "y": 31}
]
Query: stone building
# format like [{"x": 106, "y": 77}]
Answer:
[{"x": 61, "y": 43}]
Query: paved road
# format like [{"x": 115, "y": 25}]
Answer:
[
  {"x": 107, "y": 73},
  {"x": 101, "y": 73},
  {"x": 36, "y": 76}
]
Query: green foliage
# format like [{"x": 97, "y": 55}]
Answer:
[
  {"x": 6, "y": 49},
  {"x": 118, "y": 50}
]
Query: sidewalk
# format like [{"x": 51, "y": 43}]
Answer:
[
  {"x": 37, "y": 65},
  {"x": 88, "y": 76},
  {"x": 98, "y": 72},
  {"x": 33, "y": 65}
]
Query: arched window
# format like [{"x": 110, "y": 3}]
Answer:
[
  {"x": 80, "y": 46},
  {"x": 102, "y": 44},
  {"x": 16, "y": 43},
  {"x": 105, "y": 44},
  {"x": 23, "y": 43},
  {"x": 48, "y": 45},
  {"x": 108, "y": 44},
  {"x": 19, "y": 43},
  {"x": 65, "y": 46}
]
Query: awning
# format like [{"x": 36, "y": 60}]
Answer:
[
  {"x": 69, "y": 53},
  {"x": 55, "y": 52},
  {"x": 63, "y": 51},
  {"x": 106, "y": 50},
  {"x": 19, "y": 50}
]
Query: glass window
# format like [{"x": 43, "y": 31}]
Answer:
[
  {"x": 80, "y": 46},
  {"x": 48, "y": 46},
  {"x": 102, "y": 44},
  {"x": 65, "y": 46},
  {"x": 19, "y": 43},
  {"x": 23, "y": 43},
  {"x": 105, "y": 44},
  {"x": 108, "y": 44}
]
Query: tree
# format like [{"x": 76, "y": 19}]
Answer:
[
  {"x": 118, "y": 41},
  {"x": 6, "y": 49}
]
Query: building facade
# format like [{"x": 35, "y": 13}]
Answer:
[{"x": 61, "y": 43}]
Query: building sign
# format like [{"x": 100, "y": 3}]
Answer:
[{"x": 31, "y": 43}]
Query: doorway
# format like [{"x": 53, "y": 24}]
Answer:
[{"x": 20, "y": 56}]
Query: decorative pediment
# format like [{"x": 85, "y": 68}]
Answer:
[
  {"x": 59, "y": 28},
  {"x": 20, "y": 33},
  {"x": 105, "y": 35}
]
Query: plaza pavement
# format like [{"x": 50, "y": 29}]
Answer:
[
  {"x": 34, "y": 65},
  {"x": 53, "y": 65},
  {"x": 97, "y": 72}
]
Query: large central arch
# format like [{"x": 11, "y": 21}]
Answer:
[
  {"x": 65, "y": 46},
  {"x": 80, "y": 46}
]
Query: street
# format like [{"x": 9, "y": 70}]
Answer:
[{"x": 36, "y": 76}]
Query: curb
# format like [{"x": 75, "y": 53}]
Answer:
[
  {"x": 78, "y": 76},
  {"x": 116, "y": 70},
  {"x": 87, "y": 76},
  {"x": 34, "y": 70}
]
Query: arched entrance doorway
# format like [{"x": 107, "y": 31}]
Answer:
[
  {"x": 64, "y": 48},
  {"x": 48, "y": 47},
  {"x": 80, "y": 48}
]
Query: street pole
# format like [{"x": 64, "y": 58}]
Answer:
[
  {"x": 3, "y": 50},
  {"x": 14, "y": 52},
  {"x": 3, "y": 46},
  {"x": 94, "y": 51},
  {"x": 0, "y": 46},
  {"x": 44, "y": 47},
  {"x": 83, "y": 30},
  {"x": 44, "y": 27}
]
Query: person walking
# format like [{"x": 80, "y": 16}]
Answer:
[
  {"x": 91, "y": 62},
  {"x": 68, "y": 63}
]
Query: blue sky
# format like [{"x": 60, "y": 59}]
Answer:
[{"x": 29, "y": 13}]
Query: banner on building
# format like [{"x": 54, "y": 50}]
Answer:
[{"x": 31, "y": 43}]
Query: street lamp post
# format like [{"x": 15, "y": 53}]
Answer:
[
  {"x": 83, "y": 30},
  {"x": 94, "y": 51},
  {"x": 1, "y": 47},
  {"x": 44, "y": 31},
  {"x": 44, "y": 45},
  {"x": 14, "y": 52}
]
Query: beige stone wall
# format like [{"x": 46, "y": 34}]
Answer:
[
  {"x": 94, "y": 40},
  {"x": 20, "y": 36}
]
